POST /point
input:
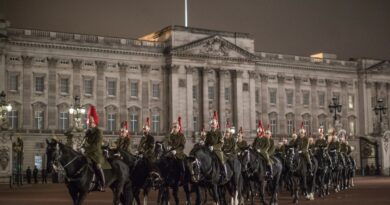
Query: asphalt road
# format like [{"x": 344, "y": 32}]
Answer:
[{"x": 367, "y": 190}]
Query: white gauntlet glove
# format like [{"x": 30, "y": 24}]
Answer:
[
  {"x": 258, "y": 150},
  {"x": 211, "y": 148},
  {"x": 201, "y": 142},
  {"x": 174, "y": 152}
]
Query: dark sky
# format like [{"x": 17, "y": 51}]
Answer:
[{"x": 348, "y": 28}]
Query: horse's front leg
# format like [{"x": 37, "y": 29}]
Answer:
[
  {"x": 262, "y": 191},
  {"x": 188, "y": 194},
  {"x": 81, "y": 197},
  {"x": 215, "y": 193}
]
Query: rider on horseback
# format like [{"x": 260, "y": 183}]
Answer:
[
  {"x": 229, "y": 144},
  {"x": 302, "y": 144},
  {"x": 241, "y": 143},
  {"x": 293, "y": 140},
  {"x": 175, "y": 143},
  {"x": 123, "y": 142},
  {"x": 214, "y": 141},
  {"x": 145, "y": 147},
  {"x": 334, "y": 145},
  {"x": 261, "y": 144},
  {"x": 322, "y": 143},
  {"x": 93, "y": 146}
]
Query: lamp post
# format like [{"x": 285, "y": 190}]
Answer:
[
  {"x": 77, "y": 112},
  {"x": 335, "y": 107},
  {"x": 4, "y": 109},
  {"x": 380, "y": 110}
]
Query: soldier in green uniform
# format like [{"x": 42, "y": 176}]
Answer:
[
  {"x": 334, "y": 144},
  {"x": 302, "y": 144},
  {"x": 322, "y": 143},
  {"x": 93, "y": 146},
  {"x": 311, "y": 146},
  {"x": 261, "y": 144},
  {"x": 282, "y": 146},
  {"x": 229, "y": 144},
  {"x": 343, "y": 145},
  {"x": 176, "y": 143},
  {"x": 241, "y": 143},
  {"x": 214, "y": 141},
  {"x": 145, "y": 147},
  {"x": 123, "y": 142},
  {"x": 293, "y": 140}
]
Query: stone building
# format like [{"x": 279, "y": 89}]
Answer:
[{"x": 179, "y": 71}]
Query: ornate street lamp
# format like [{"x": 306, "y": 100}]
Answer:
[
  {"x": 335, "y": 107},
  {"x": 77, "y": 111},
  {"x": 4, "y": 109},
  {"x": 74, "y": 133},
  {"x": 380, "y": 110}
]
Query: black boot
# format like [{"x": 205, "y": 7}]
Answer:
[
  {"x": 271, "y": 172},
  {"x": 311, "y": 168},
  {"x": 101, "y": 179}
]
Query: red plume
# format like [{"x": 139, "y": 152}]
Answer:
[
  {"x": 126, "y": 125},
  {"x": 92, "y": 113},
  {"x": 148, "y": 121},
  {"x": 302, "y": 125},
  {"x": 215, "y": 117},
  {"x": 260, "y": 126},
  {"x": 179, "y": 122}
]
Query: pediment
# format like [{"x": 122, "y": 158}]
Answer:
[
  {"x": 382, "y": 67},
  {"x": 213, "y": 47}
]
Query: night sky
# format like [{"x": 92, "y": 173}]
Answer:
[{"x": 347, "y": 28}]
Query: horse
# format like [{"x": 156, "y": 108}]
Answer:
[
  {"x": 337, "y": 169},
  {"x": 169, "y": 175},
  {"x": 322, "y": 170},
  {"x": 254, "y": 171},
  {"x": 80, "y": 175},
  {"x": 205, "y": 170},
  {"x": 299, "y": 174}
]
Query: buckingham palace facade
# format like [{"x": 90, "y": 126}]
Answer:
[{"x": 180, "y": 71}]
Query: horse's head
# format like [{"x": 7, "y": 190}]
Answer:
[
  {"x": 246, "y": 159},
  {"x": 53, "y": 154},
  {"x": 291, "y": 156},
  {"x": 155, "y": 180},
  {"x": 193, "y": 165},
  {"x": 159, "y": 149}
]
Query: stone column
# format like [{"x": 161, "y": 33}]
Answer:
[
  {"x": 361, "y": 99},
  {"x": 345, "y": 106},
  {"x": 264, "y": 98},
  {"x": 100, "y": 91},
  {"x": 27, "y": 92},
  {"x": 329, "y": 84},
  {"x": 221, "y": 97},
  {"x": 52, "y": 93},
  {"x": 205, "y": 97},
  {"x": 123, "y": 91},
  {"x": 388, "y": 104},
  {"x": 77, "y": 65},
  {"x": 368, "y": 109},
  {"x": 190, "y": 102},
  {"x": 238, "y": 118},
  {"x": 174, "y": 94},
  {"x": 3, "y": 76},
  {"x": 281, "y": 104},
  {"x": 314, "y": 104},
  {"x": 252, "y": 107},
  {"x": 298, "y": 103},
  {"x": 145, "y": 93}
]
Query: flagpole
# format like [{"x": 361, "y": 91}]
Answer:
[{"x": 185, "y": 13}]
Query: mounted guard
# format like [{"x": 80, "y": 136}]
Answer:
[{"x": 175, "y": 142}]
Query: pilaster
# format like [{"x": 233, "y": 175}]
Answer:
[
  {"x": 27, "y": 92},
  {"x": 52, "y": 92}
]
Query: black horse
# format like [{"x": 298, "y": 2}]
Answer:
[
  {"x": 299, "y": 174},
  {"x": 80, "y": 175},
  {"x": 205, "y": 170},
  {"x": 169, "y": 175},
  {"x": 254, "y": 173},
  {"x": 337, "y": 169},
  {"x": 322, "y": 171}
]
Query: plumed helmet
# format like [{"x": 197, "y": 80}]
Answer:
[
  {"x": 147, "y": 124},
  {"x": 92, "y": 114},
  {"x": 260, "y": 129}
]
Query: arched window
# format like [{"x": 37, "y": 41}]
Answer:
[
  {"x": 290, "y": 123},
  {"x": 156, "y": 120},
  {"x": 63, "y": 116},
  {"x": 13, "y": 115},
  {"x": 134, "y": 118},
  {"x": 273, "y": 121},
  {"x": 322, "y": 122},
  {"x": 111, "y": 117},
  {"x": 307, "y": 122},
  {"x": 39, "y": 111}
]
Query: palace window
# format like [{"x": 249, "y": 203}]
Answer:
[
  {"x": 290, "y": 123},
  {"x": 306, "y": 98},
  {"x": 111, "y": 122},
  {"x": 272, "y": 95},
  {"x": 321, "y": 99},
  {"x": 156, "y": 123},
  {"x": 194, "y": 92},
  {"x": 156, "y": 90},
  {"x": 88, "y": 86},
  {"x": 257, "y": 96},
  {"x": 227, "y": 94},
  {"x": 307, "y": 123},
  {"x": 38, "y": 120},
  {"x": 13, "y": 82},
  {"x": 13, "y": 119},
  {"x": 64, "y": 120},
  {"x": 134, "y": 89},
  {"x": 211, "y": 92},
  {"x": 196, "y": 123},
  {"x": 289, "y": 97},
  {"x": 111, "y": 88},
  {"x": 39, "y": 84},
  {"x": 133, "y": 122},
  {"x": 64, "y": 85},
  {"x": 273, "y": 120},
  {"x": 351, "y": 101}
]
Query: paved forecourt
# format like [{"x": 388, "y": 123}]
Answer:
[{"x": 367, "y": 190}]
